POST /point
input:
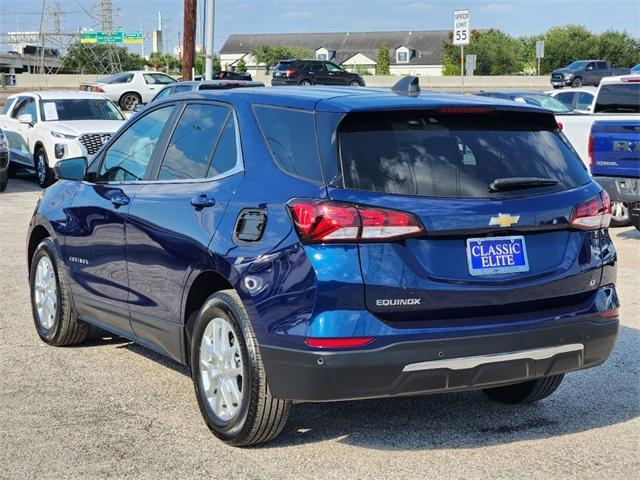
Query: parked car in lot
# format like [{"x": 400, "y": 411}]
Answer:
[
  {"x": 635, "y": 70},
  {"x": 584, "y": 72},
  {"x": 576, "y": 99},
  {"x": 128, "y": 89},
  {"x": 223, "y": 75},
  {"x": 313, "y": 72},
  {"x": 4, "y": 162},
  {"x": 43, "y": 128},
  {"x": 183, "y": 87},
  {"x": 320, "y": 244},
  {"x": 532, "y": 98},
  {"x": 614, "y": 158}
]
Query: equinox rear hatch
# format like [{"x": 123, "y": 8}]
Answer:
[{"x": 495, "y": 192}]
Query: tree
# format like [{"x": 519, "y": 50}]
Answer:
[
  {"x": 563, "y": 45},
  {"x": 497, "y": 54},
  {"x": 241, "y": 66},
  {"x": 270, "y": 55},
  {"x": 99, "y": 58},
  {"x": 620, "y": 49},
  {"x": 382, "y": 62}
]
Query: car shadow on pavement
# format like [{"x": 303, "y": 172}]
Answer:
[
  {"x": 632, "y": 233},
  {"x": 22, "y": 183},
  {"x": 586, "y": 400}
]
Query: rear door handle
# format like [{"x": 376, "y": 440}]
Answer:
[
  {"x": 203, "y": 201},
  {"x": 120, "y": 200}
]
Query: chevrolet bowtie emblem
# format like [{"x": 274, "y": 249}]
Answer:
[{"x": 504, "y": 220}]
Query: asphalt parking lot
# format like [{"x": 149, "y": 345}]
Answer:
[{"x": 113, "y": 409}]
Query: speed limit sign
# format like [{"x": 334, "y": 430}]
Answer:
[{"x": 461, "y": 27}]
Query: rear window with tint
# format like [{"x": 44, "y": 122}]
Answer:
[
  {"x": 454, "y": 155},
  {"x": 291, "y": 137},
  {"x": 618, "y": 98}
]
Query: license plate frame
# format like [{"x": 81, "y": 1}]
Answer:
[{"x": 497, "y": 266}]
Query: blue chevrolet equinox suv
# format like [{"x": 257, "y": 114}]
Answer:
[{"x": 332, "y": 243}]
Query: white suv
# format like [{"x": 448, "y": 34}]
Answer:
[
  {"x": 45, "y": 127},
  {"x": 128, "y": 89}
]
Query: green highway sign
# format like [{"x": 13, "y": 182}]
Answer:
[
  {"x": 110, "y": 37},
  {"x": 132, "y": 37}
]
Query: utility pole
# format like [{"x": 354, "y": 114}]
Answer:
[
  {"x": 105, "y": 11},
  {"x": 189, "y": 38},
  {"x": 211, "y": 9}
]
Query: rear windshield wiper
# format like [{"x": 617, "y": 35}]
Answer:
[{"x": 516, "y": 183}]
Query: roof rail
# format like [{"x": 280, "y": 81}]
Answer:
[{"x": 408, "y": 85}]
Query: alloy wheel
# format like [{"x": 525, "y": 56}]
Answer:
[
  {"x": 46, "y": 293},
  {"x": 221, "y": 368}
]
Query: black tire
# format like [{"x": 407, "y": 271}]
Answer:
[
  {"x": 354, "y": 83},
  {"x": 260, "y": 417},
  {"x": 129, "y": 100},
  {"x": 622, "y": 217},
  {"x": 13, "y": 170},
  {"x": 305, "y": 82},
  {"x": 4, "y": 179},
  {"x": 66, "y": 330},
  {"x": 576, "y": 82},
  {"x": 556, "y": 87},
  {"x": 44, "y": 174},
  {"x": 526, "y": 392}
]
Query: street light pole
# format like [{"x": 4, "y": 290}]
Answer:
[
  {"x": 210, "y": 15},
  {"x": 189, "y": 38}
]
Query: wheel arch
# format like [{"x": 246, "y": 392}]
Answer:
[
  {"x": 37, "y": 146},
  {"x": 200, "y": 287},
  {"x": 38, "y": 234}
]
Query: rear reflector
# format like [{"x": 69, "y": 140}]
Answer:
[
  {"x": 593, "y": 214},
  {"x": 349, "y": 342},
  {"x": 609, "y": 313},
  {"x": 321, "y": 221},
  {"x": 590, "y": 151}
]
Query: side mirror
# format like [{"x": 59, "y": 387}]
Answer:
[
  {"x": 26, "y": 118},
  {"x": 71, "y": 169}
]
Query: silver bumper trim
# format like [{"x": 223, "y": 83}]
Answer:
[{"x": 463, "y": 363}]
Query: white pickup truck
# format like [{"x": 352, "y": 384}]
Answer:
[{"x": 617, "y": 99}]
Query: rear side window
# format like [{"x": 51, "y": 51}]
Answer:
[
  {"x": 421, "y": 153},
  {"x": 191, "y": 146},
  {"x": 290, "y": 136},
  {"x": 618, "y": 98}
]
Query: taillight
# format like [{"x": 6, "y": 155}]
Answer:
[
  {"x": 345, "y": 342},
  {"x": 98, "y": 90},
  {"x": 560, "y": 125},
  {"x": 291, "y": 73},
  {"x": 590, "y": 150},
  {"x": 465, "y": 110},
  {"x": 593, "y": 214},
  {"x": 321, "y": 221}
]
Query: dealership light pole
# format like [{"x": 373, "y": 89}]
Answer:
[
  {"x": 210, "y": 15},
  {"x": 189, "y": 38}
]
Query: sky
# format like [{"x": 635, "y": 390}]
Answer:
[{"x": 516, "y": 17}]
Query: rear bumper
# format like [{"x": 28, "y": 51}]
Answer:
[
  {"x": 620, "y": 189},
  {"x": 442, "y": 365},
  {"x": 278, "y": 82}
]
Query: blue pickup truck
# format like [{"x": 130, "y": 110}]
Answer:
[{"x": 614, "y": 155}]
